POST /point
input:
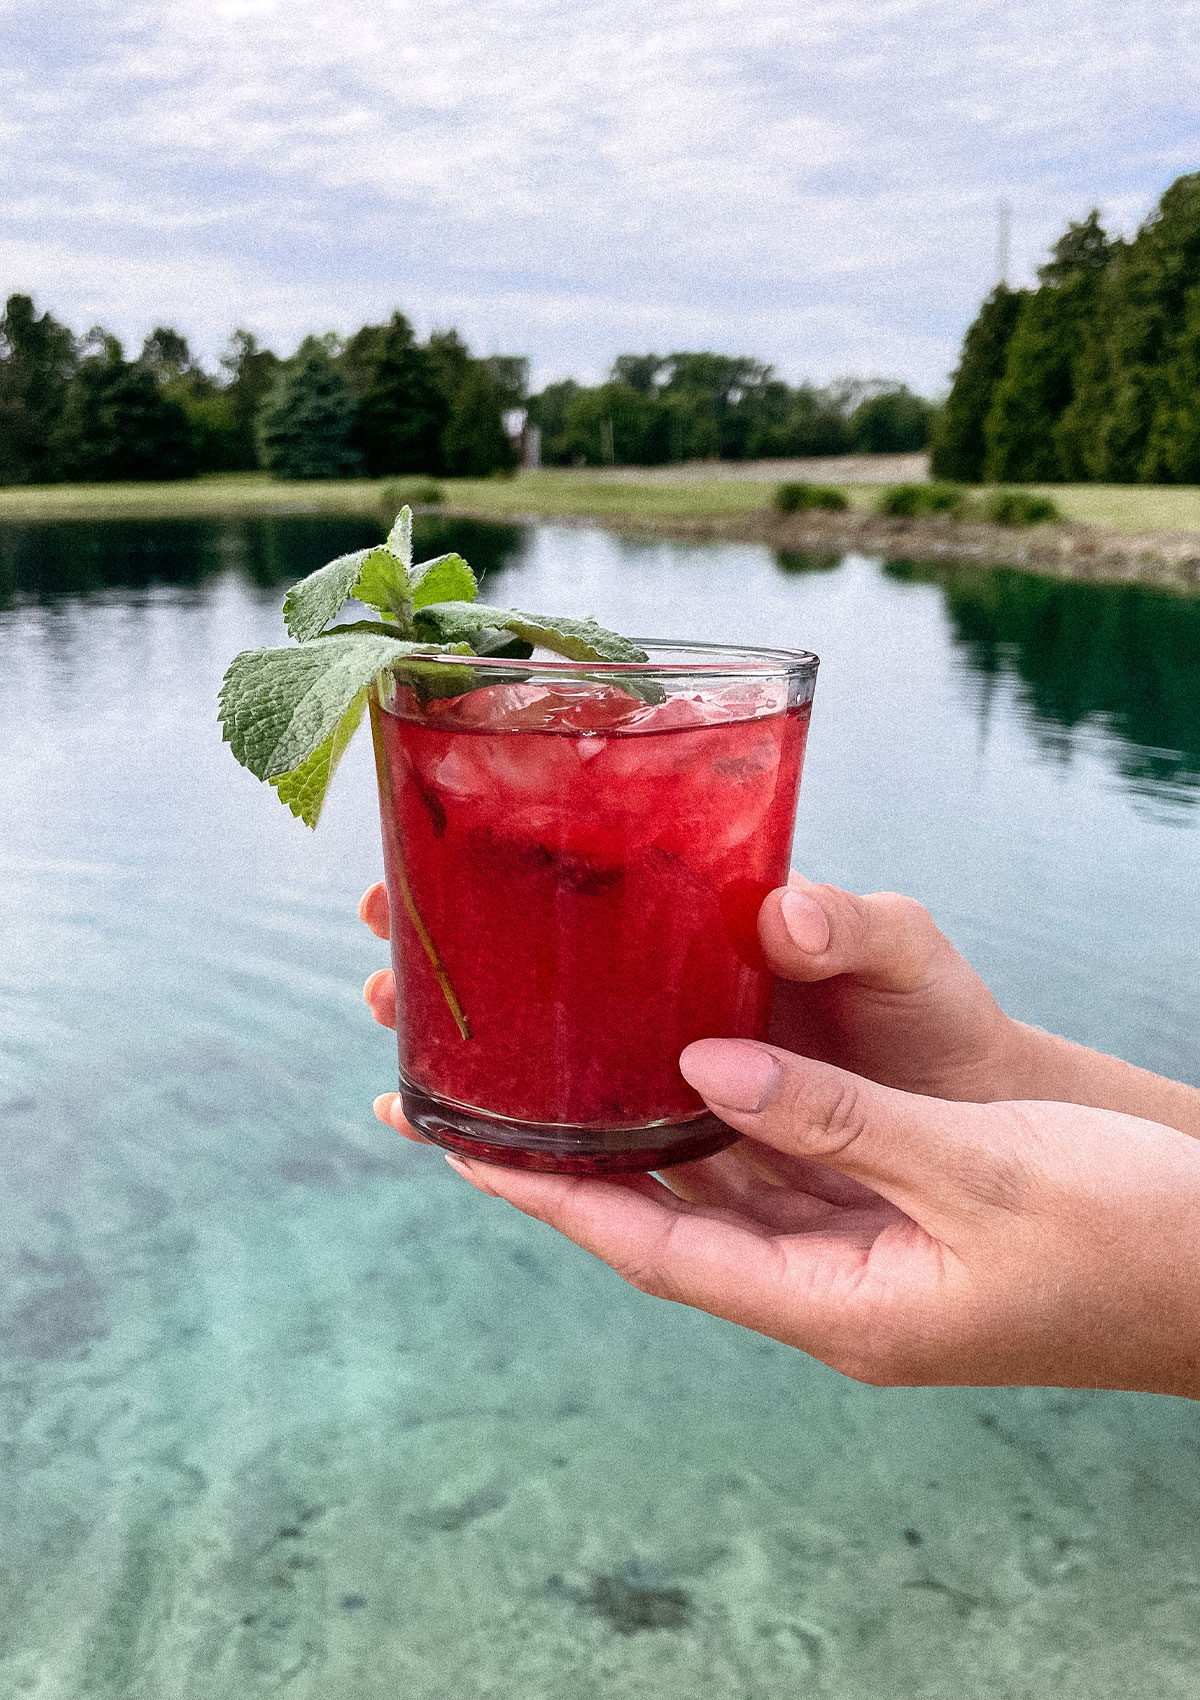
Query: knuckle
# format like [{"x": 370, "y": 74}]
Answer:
[
  {"x": 904, "y": 911},
  {"x": 840, "y": 1121},
  {"x": 909, "y": 934}
]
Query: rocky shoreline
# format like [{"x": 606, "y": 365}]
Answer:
[{"x": 1165, "y": 560}]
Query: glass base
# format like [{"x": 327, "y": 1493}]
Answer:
[{"x": 558, "y": 1150}]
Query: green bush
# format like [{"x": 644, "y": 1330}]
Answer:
[
  {"x": 1018, "y": 507},
  {"x": 908, "y": 501},
  {"x": 799, "y": 498},
  {"x": 417, "y": 492}
]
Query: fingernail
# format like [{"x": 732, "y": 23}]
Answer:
[
  {"x": 731, "y": 1072},
  {"x": 468, "y": 1173},
  {"x": 370, "y": 983},
  {"x": 806, "y": 922},
  {"x": 383, "y": 1107}
]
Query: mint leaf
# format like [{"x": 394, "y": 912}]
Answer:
[
  {"x": 399, "y": 538},
  {"x": 581, "y": 640},
  {"x": 374, "y": 576},
  {"x": 446, "y": 579},
  {"x": 278, "y": 706},
  {"x": 383, "y": 584},
  {"x": 492, "y": 641},
  {"x": 304, "y": 788}
]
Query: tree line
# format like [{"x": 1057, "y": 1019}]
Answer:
[
  {"x": 382, "y": 403},
  {"x": 656, "y": 409},
  {"x": 1094, "y": 376},
  {"x": 377, "y": 404}
]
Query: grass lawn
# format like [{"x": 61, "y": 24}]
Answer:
[{"x": 550, "y": 492}]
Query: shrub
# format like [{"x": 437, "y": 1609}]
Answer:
[
  {"x": 799, "y": 498},
  {"x": 417, "y": 492},
  {"x": 1019, "y": 507},
  {"x": 907, "y": 501}
]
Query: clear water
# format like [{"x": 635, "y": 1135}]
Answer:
[{"x": 285, "y": 1407}]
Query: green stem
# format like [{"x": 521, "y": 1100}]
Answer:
[{"x": 392, "y": 827}]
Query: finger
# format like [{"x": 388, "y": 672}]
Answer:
[
  {"x": 374, "y": 910},
  {"x": 801, "y": 1174},
  {"x": 812, "y": 932},
  {"x": 730, "y": 1183},
  {"x": 667, "y": 1248},
  {"x": 807, "y": 1290},
  {"x": 935, "y": 1159},
  {"x": 379, "y": 995},
  {"x": 389, "y": 1108}
]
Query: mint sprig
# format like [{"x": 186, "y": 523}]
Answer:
[{"x": 288, "y": 714}]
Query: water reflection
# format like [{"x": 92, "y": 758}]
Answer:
[
  {"x": 1115, "y": 655},
  {"x": 797, "y": 562},
  {"x": 73, "y": 558},
  {"x": 1127, "y": 657}
]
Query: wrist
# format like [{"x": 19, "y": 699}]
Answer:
[{"x": 1025, "y": 1062}]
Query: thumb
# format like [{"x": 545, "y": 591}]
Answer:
[
  {"x": 932, "y": 1158},
  {"x": 812, "y": 932}
]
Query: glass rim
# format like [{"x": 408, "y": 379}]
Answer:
[{"x": 736, "y": 661}]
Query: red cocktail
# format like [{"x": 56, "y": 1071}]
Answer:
[{"x": 575, "y": 863}]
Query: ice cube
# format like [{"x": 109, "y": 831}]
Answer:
[{"x": 566, "y": 706}]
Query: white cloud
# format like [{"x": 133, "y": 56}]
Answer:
[{"x": 813, "y": 184}]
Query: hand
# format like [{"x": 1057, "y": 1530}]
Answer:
[
  {"x": 866, "y": 982},
  {"x": 910, "y": 1240},
  {"x": 869, "y": 983}
]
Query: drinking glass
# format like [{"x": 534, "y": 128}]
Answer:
[{"x": 575, "y": 857}]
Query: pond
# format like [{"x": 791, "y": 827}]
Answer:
[{"x": 285, "y": 1407}]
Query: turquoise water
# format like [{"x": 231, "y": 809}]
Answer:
[{"x": 286, "y": 1408}]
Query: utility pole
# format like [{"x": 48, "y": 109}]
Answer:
[{"x": 1003, "y": 222}]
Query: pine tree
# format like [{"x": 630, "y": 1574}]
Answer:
[
  {"x": 250, "y": 371},
  {"x": 1054, "y": 325},
  {"x": 116, "y": 423},
  {"x": 307, "y": 417},
  {"x": 401, "y": 410},
  {"x": 959, "y": 449},
  {"x": 37, "y": 359},
  {"x": 1126, "y": 402}
]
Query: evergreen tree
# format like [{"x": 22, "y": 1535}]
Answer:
[
  {"x": 250, "y": 373},
  {"x": 1126, "y": 409},
  {"x": 1173, "y": 444},
  {"x": 307, "y": 418},
  {"x": 1023, "y": 438},
  {"x": 116, "y": 423},
  {"x": 37, "y": 359},
  {"x": 958, "y": 447},
  {"x": 209, "y": 408},
  {"x": 402, "y": 411},
  {"x": 451, "y": 361},
  {"x": 474, "y": 443}
]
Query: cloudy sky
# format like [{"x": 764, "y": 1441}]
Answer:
[{"x": 812, "y": 182}]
